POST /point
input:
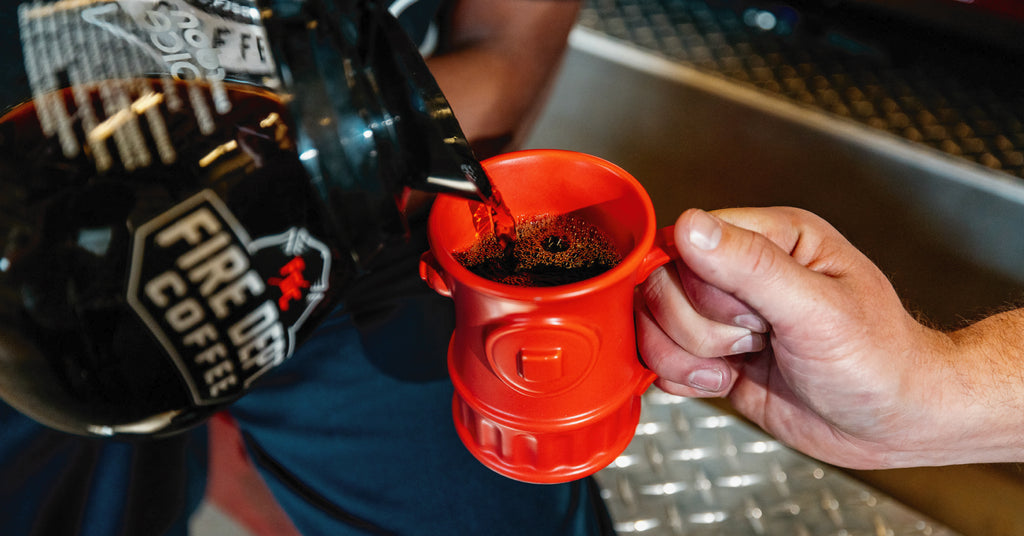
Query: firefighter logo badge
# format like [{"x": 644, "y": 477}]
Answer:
[{"x": 225, "y": 307}]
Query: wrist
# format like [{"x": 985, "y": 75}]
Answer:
[{"x": 970, "y": 391}]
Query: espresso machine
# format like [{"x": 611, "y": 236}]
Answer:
[{"x": 188, "y": 187}]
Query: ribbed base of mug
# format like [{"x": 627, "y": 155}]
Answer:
[{"x": 546, "y": 457}]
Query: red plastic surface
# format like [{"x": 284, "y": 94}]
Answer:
[{"x": 547, "y": 379}]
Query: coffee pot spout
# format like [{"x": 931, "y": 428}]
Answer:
[
  {"x": 372, "y": 121},
  {"x": 441, "y": 157}
]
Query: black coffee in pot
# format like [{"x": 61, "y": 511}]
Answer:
[{"x": 153, "y": 271}]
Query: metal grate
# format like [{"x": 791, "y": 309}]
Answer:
[
  {"x": 960, "y": 100},
  {"x": 693, "y": 470}
]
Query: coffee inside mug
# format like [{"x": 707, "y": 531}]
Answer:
[
  {"x": 547, "y": 251},
  {"x": 583, "y": 191}
]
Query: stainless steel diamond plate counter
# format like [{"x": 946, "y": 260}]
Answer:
[
  {"x": 970, "y": 107},
  {"x": 695, "y": 470}
]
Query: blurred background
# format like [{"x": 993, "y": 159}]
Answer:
[{"x": 901, "y": 122}]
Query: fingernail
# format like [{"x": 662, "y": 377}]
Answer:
[
  {"x": 710, "y": 380},
  {"x": 705, "y": 231},
  {"x": 752, "y": 322},
  {"x": 752, "y": 342}
]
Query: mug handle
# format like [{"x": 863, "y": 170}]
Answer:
[
  {"x": 433, "y": 275},
  {"x": 662, "y": 252}
]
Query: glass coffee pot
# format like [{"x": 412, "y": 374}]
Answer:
[{"x": 188, "y": 186}]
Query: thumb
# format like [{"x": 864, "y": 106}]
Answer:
[{"x": 760, "y": 256}]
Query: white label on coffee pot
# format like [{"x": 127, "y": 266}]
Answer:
[{"x": 116, "y": 48}]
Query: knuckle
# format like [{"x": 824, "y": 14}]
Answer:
[{"x": 763, "y": 259}]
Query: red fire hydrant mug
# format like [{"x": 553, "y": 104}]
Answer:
[{"x": 547, "y": 379}]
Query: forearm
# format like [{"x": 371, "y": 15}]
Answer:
[
  {"x": 962, "y": 395},
  {"x": 476, "y": 82},
  {"x": 982, "y": 389},
  {"x": 500, "y": 60}
]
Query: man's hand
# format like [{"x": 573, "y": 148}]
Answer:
[{"x": 776, "y": 310}]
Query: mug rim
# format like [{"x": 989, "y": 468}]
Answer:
[{"x": 630, "y": 263}]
